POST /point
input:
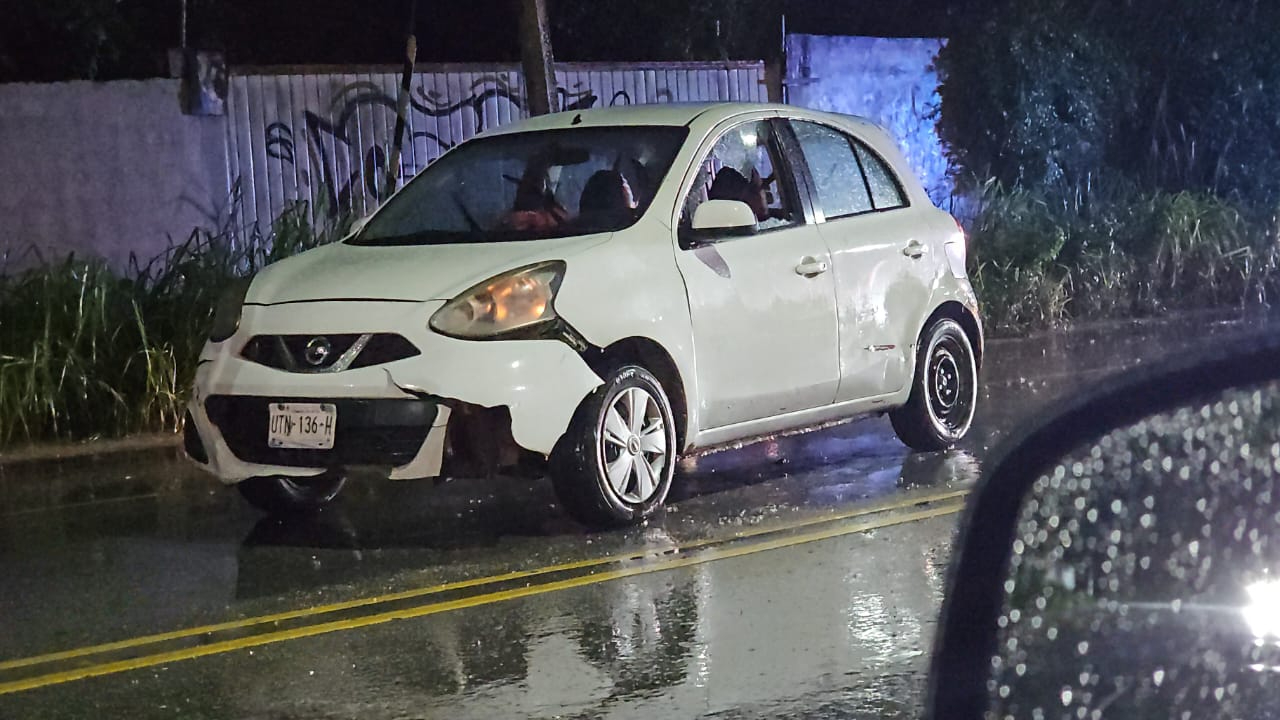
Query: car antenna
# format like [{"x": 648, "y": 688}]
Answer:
[{"x": 577, "y": 119}]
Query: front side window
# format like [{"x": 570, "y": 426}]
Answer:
[
  {"x": 532, "y": 185},
  {"x": 837, "y": 178},
  {"x": 743, "y": 165}
]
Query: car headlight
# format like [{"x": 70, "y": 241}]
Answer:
[
  {"x": 226, "y": 314},
  {"x": 508, "y": 305}
]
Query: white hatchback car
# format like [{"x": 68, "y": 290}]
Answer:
[{"x": 604, "y": 290}]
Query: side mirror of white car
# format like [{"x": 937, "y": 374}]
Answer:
[{"x": 715, "y": 219}]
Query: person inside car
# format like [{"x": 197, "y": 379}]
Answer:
[
  {"x": 535, "y": 209},
  {"x": 729, "y": 184},
  {"x": 606, "y": 201}
]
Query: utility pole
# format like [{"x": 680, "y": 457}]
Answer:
[
  {"x": 402, "y": 103},
  {"x": 775, "y": 65},
  {"x": 535, "y": 52}
]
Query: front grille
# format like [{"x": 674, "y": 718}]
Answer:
[
  {"x": 341, "y": 352},
  {"x": 369, "y": 432},
  {"x": 384, "y": 348}
]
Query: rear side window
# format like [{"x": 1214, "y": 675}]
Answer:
[
  {"x": 834, "y": 168},
  {"x": 886, "y": 191}
]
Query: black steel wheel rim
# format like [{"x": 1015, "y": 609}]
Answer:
[{"x": 949, "y": 386}]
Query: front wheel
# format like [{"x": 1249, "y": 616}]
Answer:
[
  {"x": 279, "y": 495},
  {"x": 614, "y": 465},
  {"x": 944, "y": 392}
]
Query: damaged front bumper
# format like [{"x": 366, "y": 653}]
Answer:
[{"x": 476, "y": 398}]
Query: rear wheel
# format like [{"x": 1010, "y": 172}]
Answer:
[
  {"x": 944, "y": 393},
  {"x": 614, "y": 465},
  {"x": 279, "y": 495}
]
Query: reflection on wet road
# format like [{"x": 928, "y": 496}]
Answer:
[{"x": 798, "y": 577}]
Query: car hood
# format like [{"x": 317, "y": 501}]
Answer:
[{"x": 417, "y": 272}]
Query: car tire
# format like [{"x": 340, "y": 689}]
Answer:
[
  {"x": 278, "y": 495},
  {"x": 944, "y": 391},
  {"x": 614, "y": 465}
]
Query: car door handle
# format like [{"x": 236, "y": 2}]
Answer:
[
  {"x": 812, "y": 267},
  {"x": 915, "y": 249}
]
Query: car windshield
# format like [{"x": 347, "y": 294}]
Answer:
[{"x": 531, "y": 185}]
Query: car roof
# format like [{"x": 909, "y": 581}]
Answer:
[{"x": 669, "y": 114}]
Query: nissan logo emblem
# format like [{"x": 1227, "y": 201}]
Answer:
[{"x": 317, "y": 352}]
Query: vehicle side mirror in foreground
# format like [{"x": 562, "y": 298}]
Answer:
[
  {"x": 716, "y": 219},
  {"x": 1123, "y": 558}
]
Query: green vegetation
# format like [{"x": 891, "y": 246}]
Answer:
[
  {"x": 1121, "y": 156},
  {"x": 1038, "y": 260},
  {"x": 87, "y": 351}
]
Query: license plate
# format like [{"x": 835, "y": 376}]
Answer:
[{"x": 308, "y": 426}]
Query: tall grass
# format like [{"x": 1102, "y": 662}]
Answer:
[
  {"x": 1045, "y": 258},
  {"x": 90, "y": 351}
]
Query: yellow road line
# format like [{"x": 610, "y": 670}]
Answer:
[
  {"x": 461, "y": 584},
  {"x": 306, "y": 631}
]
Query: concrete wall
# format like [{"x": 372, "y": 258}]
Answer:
[
  {"x": 104, "y": 168},
  {"x": 888, "y": 80}
]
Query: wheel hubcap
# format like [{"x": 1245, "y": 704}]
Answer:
[{"x": 634, "y": 445}]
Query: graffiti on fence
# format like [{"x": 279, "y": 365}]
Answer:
[{"x": 348, "y": 162}]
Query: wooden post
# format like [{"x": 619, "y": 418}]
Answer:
[
  {"x": 535, "y": 52},
  {"x": 402, "y": 102}
]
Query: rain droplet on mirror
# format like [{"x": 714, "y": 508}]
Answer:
[{"x": 1152, "y": 532}]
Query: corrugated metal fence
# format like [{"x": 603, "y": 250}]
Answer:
[{"x": 325, "y": 136}]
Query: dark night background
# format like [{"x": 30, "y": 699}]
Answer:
[{"x": 46, "y": 40}]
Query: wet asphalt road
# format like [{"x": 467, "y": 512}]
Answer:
[{"x": 798, "y": 577}]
